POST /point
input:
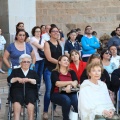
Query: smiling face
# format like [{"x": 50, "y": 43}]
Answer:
[
  {"x": 54, "y": 33},
  {"x": 95, "y": 73},
  {"x": 75, "y": 56},
  {"x": 64, "y": 62}
]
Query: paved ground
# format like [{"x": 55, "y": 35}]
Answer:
[{"x": 4, "y": 94}]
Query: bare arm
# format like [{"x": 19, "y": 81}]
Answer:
[
  {"x": 48, "y": 53},
  {"x": 33, "y": 57},
  {"x": 5, "y": 58},
  {"x": 38, "y": 45}
]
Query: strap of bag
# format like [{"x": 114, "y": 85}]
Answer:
[{"x": 40, "y": 40}]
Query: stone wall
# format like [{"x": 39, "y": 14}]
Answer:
[{"x": 102, "y": 15}]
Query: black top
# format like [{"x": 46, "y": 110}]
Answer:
[
  {"x": 55, "y": 78},
  {"x": 115, "y": 79},
  {"x": 56, "y": 52},
  {"x": 104, "y": 77},
  {"x": 79, "y": 37}
]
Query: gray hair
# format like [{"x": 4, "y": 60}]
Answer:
[{"x": 24, "y": 56}]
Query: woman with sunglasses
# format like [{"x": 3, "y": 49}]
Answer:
[
  {"x": 15, "y": 50},
  {"x": 106, "y": 56},
  {"x": 76, "y": 63},
  {"x": 95, "y": 58}
]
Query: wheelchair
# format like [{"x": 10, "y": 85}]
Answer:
[{"x": 37, "y": 115}]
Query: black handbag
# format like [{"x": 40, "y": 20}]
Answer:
[{"x": 40, "y": 52}]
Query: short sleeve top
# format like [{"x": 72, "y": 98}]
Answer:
[{"x": 15, "y": 53}]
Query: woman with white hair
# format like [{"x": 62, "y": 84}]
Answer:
[{"x": 18, "y": 78}]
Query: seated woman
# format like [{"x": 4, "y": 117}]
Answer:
[
  {"x": 95, "y": 58},
  {"x": 94, "y": 98},
  {"x": 18, "y": 78},
  {"x": 76, "y": 64},
  {"x": 63, "y": 77}
]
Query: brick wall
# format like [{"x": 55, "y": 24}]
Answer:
[{"x": 102, "y": 15}]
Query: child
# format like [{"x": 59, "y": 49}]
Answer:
[{"x": 2, "y": 43}]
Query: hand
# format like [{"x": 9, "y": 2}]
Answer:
[
  {"x": 74, "y": 84},
  {"x": 106, "y": 113},
  {"x": 26, "y": 80},
  {"x": 32, "y": 66},
  {"x": 68, "y": 89},
  {"x": 20, "y": 80},
  {"x": 111, "y": 113},
  {"x": 9, "y": 71}
]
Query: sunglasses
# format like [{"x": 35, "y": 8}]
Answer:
[
  {"x": 25, "y": 61},
  {"x": 108, "y": 53}
]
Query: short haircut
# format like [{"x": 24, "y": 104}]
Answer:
[
  {"x": 33, "y": 30},
  {"x": 24, "y": 56},
  {"x": 117, "y": 28}
]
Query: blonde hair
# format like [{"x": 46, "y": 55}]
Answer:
[
  {"x": 58, "y": 65},
  {"x": 104, "y": 37}
]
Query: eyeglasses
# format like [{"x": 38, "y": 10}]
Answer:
[
  {"x": 26, "y": 62},
  {"x": 55, "y": 31},
  {"x": 108, "y": 53},
  {"x": 21, "y": 35}
]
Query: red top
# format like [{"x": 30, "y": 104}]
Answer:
[
  {"x": 81, "y": 67},
  {"x": 63, "y": 78}
]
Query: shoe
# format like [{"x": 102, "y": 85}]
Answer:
[
  {"x": 45, "y": 116},
  {"x": 3, "y": 72}
]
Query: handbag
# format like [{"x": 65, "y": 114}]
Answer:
[
  {"x": 40, "y": 52},
  {"x": 73, "y": 115}
]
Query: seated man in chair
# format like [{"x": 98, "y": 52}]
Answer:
[{"x": 23, "y": 87}]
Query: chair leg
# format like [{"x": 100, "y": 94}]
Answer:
[
  {"x": 52, "y": 111},
  {"x": 117, "y": 105}
]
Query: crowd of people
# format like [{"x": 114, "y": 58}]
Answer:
[{"x": 85, "y": 60}]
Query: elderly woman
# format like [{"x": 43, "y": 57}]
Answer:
[
  {"x": 18, "y": 78},
  {"x": 94, "y": 98},
  {"x": 63, "y": 77}
]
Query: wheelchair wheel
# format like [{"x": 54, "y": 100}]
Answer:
[
  {"x": 10, "y": 111},
  {"x": 37, "y": 111}
]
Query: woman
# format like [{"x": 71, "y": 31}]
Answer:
[
  {"x": 76, "y": 64},
  {"x": 35, "y": 42},
  {"x": 63, "y": 77},
  {"x": 72, "y": 43},
  {"x": 109, "y": 66},
  {"x": 42, "y": 28},
  {"x": 95, "y": 58},
  {"x": 96, "y": 91},
  {"x": 2, "y": 44},
  {"x": 53, "y": 51},
  {"x": 18, "y": 78},
  {"x": 20, "y": 26},
  {"x": 15, "y": 50}
]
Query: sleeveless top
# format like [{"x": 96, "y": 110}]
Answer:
[{"x": 56, "y": 52}]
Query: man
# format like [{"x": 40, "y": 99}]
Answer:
[
  {"x": 115, "y": 40},
  {"x": 115, "y": 58},
  {"x": 79, "y": 35},
  {"x": 89, "y": 44},
  {"x": 46, "y": 36}
]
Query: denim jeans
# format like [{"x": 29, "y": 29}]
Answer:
[
  {"x": 65, "y": 101},
  {"x": 48, "y": 85},
  {"x": 39, "y": 66}
]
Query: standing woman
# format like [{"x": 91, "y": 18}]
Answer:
[
  {"x": 2, "y": 43},
  {"x": 53, "y": 51},
  {"x": 15, "y": 50},
  {"x": 76, "y": 64},
  {"x": 42, "y": 28},
  {"x": 39, "y": 65}
]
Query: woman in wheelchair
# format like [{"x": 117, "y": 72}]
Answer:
[
  {"x": 23, "y": 87},
  {"x": 62, "y": 76},
  {"x": 94, "y": 98}
]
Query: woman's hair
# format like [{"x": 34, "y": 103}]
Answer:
[
  {"x": 103, "y": 51},
  {"x": 24, "y": 56},
  {"x": 75, "y": 52},
  {"x": 33, "y": 30},
  {"x": 58, "y": 65},
  {"x": 18, "y": 25},
  {"x": 19, "y": 30},
  {"x": 104, "y": 37},
  {"x": 53, "y": 28},
  {"x": 93, "y": 56},
  {"x": 92, "y": 65}
]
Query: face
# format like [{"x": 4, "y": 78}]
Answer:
[
  {"x": 47, "y": 28},
  {"x": 79, "y": 32},
  {"x": 21, "y": 26},
  {"x": 113, "y": 50},
  {"x": 74, "y": 56},
  {"x": 95, "y": 73},
  {"x": 107, "y": 55},
  {"x": 95, "y": 60},
  {"x": 0, "y": 31},
  {"x": 37, "y": 32},
  {"x": 64, "y": 62},
  {"x": 118, "y": 31},
  {"x": 25, "y": 64},
  {"x": 73, "y": 36},
  {"x": 43, "y": 29},
  {"x": 88, "y": 30},
  {"x": 54, "y": 33},
  {"x": 21, "y": 36}
]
